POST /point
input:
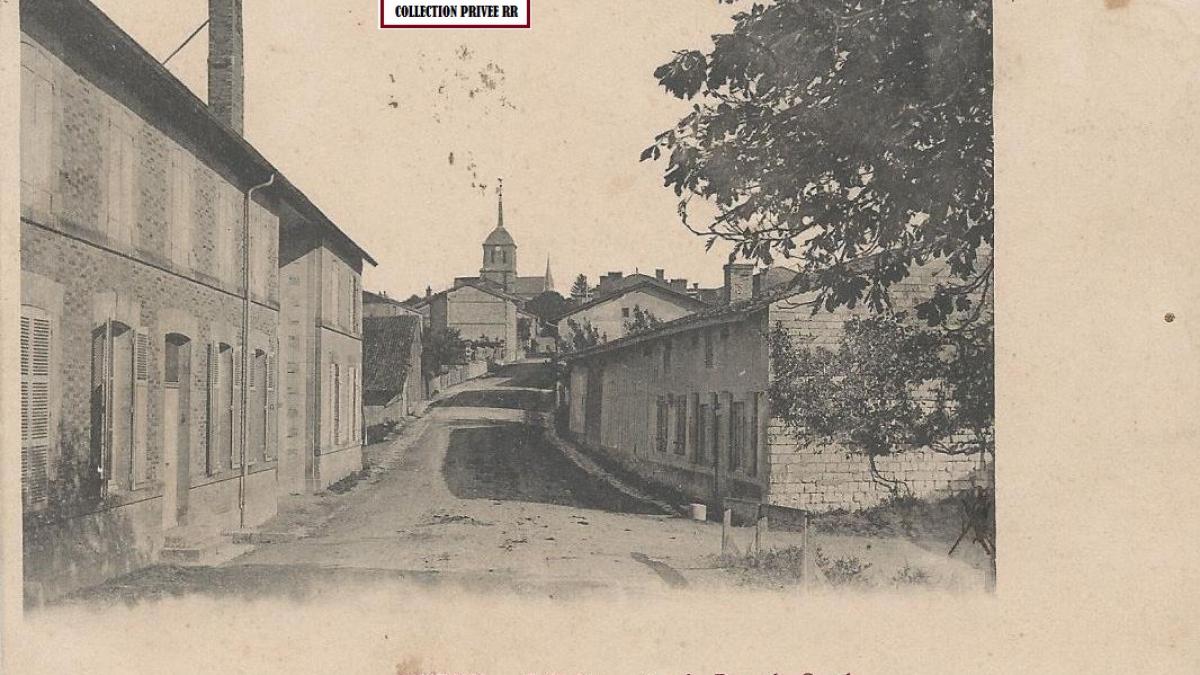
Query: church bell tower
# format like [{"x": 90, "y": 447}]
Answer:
[{"x": 500, "y": 251}]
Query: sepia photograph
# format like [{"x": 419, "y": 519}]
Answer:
[{"x": 626, "y": 302}]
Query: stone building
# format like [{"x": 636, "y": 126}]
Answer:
[
  {"x": 617, "y": 299},
  {"x": 481, "y": 313},
  {"x": 500, "y": 264},
  {"x": 137, "y": 431},
  {"x": 686, "y": 406}
]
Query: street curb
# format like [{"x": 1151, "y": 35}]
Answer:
[{"x": 588, "y": 465}]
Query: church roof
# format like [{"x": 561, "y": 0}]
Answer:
[{"x": 500, "y": 237}]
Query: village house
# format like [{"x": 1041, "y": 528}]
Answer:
[
  {"x": 173, "y": 382},
  {"x": 392, "y": 359},
  {"x": 481, "y": 314},
  {"x": 618, "y": 298},
  {"x": 687, "y": 406}
]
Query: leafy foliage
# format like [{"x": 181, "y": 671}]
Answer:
[
  {"x": 443, "y": 347},
  {"x": 855, "y": 135},
  {"x": 888, "y": 387},
  {"x": 548, "y": 306},
  {"x": 581, "y": 335},
  {"x": 641, "y": 321}
]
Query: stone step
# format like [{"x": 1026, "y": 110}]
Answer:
[
  {"x": 259, "y": 537},
  {"x": 209, "y": 555}
]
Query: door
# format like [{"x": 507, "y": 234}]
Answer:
[{"x": 176, "y": 448}]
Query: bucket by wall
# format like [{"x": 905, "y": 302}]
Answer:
[{"x": 698, "y": 511}]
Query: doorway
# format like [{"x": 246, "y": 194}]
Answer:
[{"x": 176, "y": 429}]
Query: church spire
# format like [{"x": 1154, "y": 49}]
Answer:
[
  {"x": 549, "y": 277},
  {"x": 500, "y": 204}
]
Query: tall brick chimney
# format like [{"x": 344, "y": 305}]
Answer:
[
  {"x": 739, "y": 282},
  {"x": 226, "y": 72}
]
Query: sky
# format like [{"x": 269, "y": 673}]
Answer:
[{"x": 365, "y": 121}]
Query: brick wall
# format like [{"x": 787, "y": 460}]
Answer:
[{"x": 96, "y": 235}]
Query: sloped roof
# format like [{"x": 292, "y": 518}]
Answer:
[
  {"x": 623, "y": 288},
  {"x": 529, "y": 285},
  {"x": 499, "y": 237},
  {"x": 473, "y": 282},
  {"x": 387, "y": 350},
  {"x": 86, "y": 29}
]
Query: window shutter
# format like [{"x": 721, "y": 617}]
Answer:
[
  {"x": 235, "y": 405},
  {"x": 213, "y": 414},
  {"x": 269, "y": 411},
  {"x": 139, "y": 462},
  {"x": 35, "y": 406}
]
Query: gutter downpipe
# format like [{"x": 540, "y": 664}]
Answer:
[{"x": 243, "y": 427}]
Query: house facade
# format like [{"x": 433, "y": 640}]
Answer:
[
  {"x": 479, "y": 312},
  {"x": 163, "y": 365},
  {"x": 687, "y": 406},
  {"x": 611, "y": 311}
]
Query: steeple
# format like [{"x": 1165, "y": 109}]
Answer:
[
  {"x": 549, "y": 277},
  {"x": 499, "y": 250},
  {"x": 500, "y": 204}
]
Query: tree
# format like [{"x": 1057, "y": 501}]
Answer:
[
  {"x": 443, "y": 347},
  {"x": 582, "y": 334},
  {"x": 548, "y": 306},
  {"x": 580, "y": 289},
  {"x": 641, "y": 321},
  {"x": 854, "y": 135}
]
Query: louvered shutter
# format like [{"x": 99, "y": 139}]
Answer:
[
  {"x": 213, "y": 413},
  {"x": 35, "y": 406},
  {"x": 269, "y": 433},
  {"x": 235, "y": 406},
  {"x": 139, "y": 446}
]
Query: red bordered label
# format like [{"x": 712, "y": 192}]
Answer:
[{"x": 453, "y": 14}]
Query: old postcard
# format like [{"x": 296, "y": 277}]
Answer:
[{"x": 579, "y": 336}]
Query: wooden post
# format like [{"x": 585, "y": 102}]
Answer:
[
  {"x": 760, "y": 529},
  {"x": 804, "y": 572},
  {"x": 726, "y": 523}
]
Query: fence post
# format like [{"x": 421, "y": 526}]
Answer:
[
  {"x": 760, "y": 529},
  {"x": 804, "y": 571},
  {"x": 726, "y": 523}
]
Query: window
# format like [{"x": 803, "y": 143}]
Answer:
[
  {"x": 708, "y": 350},
  {"x": 181, "y": 209},
  {"x": 701, "y": 431},
  {"x": 269, "y": 405},
  {"x": 120, "y": 391},
  {"x": 256, "y": 402},
  {"x": 35, "y": 406},
  {"x": 334, "y": 294},
  {"x": 222, "y": 406},
  {"x": 352, "y": 403},
  {"x": 37, "y": 129},
  {"x": 228, "y": 258},
  {"x": 121, "y": 158},
  {"x": 624, "y": 312},
  {"x": 755, "y": 416},
  {"x": 737, "y": 434},
  {"x": 681, "y": 410},
  {"x": 661, "y": 428},
  {"x": 335, "y": 398},
  {"x": 354, "y": 297}
]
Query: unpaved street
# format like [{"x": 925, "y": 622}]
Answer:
[{"x": 473, "y": 496}]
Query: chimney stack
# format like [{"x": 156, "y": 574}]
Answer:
[
  {"x": 660, "y": 274},
  {"x": 226, "y": 72},
  {"x": 739, "y": 282}
]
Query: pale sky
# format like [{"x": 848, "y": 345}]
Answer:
[{"x": 574, "y": 102}]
